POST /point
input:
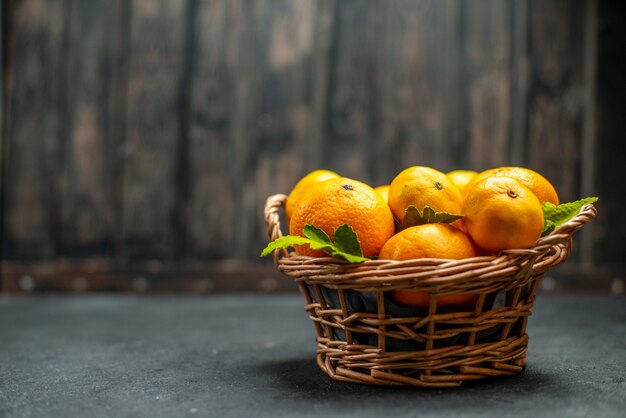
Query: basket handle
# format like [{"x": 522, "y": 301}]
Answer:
[{"x": 272, "y": 220}]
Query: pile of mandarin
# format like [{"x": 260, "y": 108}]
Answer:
[{"x": 500, "y": 209}]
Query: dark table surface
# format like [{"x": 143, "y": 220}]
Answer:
[{"x": 253, "y": 356}]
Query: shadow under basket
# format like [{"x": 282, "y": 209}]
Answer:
[{"x": 363, "y": 336}]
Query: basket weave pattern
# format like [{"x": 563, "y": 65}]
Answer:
[{"x": 439, "y": 346}]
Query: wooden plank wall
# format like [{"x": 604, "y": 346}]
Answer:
[{"x": 149, "y": 132}]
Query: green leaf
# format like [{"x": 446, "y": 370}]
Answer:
[
  {"x": 319, "y": 240},
  {"x": 316, "y": 234},
  {"x": 554, "y": 216},
  {"x": 283, "y": 242},
  {"x": 548, "y": 227},
  {"x": 350, "y": 258},
  {"x": 413, "y": 217},
  {"x": 346, "y": 244}
]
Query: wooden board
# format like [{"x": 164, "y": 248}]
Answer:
[
  {"x": 3, "y": 141},
  {"x": 414, "y": 73},
  {"x": 155, "y": 75},
  {"x": 487, "y": 53},
  {"x": 610, "y": 227},
  {"x": 284, "y": 43},
  {"x": 212, "y": 199},
  {"x": 355, "y": 84},
  {"x": 555, "y": 102},
  {"x": 34, "y": 101},
  {"x": 88, "y": 161}
]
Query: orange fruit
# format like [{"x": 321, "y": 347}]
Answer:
[
  {"x": 429, "y": 241},
  {"x": 303, "y": 184},
  {"x": 501, "y": 213},
  {"x": 436, "y": 240},
  {"x": 383, "y": 191},
  {"x": 537, "y": 183},
  {"x": 337, "y": 201},
  {"x": 423, "y": 186},
  {"x": 460, "y": 178}
]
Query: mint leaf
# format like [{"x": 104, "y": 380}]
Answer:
[
  {"x": 413, "y": 217},
  {"x": 316, "y": 234},
  {"x": 350, "y": 258},
  {"x": 554, "y": 216},
  {"x": 346, "y": 244},
  {"x": 283, "y": 242},
  {"x": 548, "y": 227}
]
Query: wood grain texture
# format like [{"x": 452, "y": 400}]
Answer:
[
  {"x": 610, "y": 228},
  {"x": 35, "y": 70},
  {"x": 87, "y": 198},
  {"x": 284, "y": 45},
  {"x": 519, "y": 81},
  {"x": 555, "y": 102},
  {"x": 589, "y": 118},
  {"x": 353, "y": 113},
  {"x": 488, "y": 40},
  {"x": 454, "y": 94},
  {"x": 556, "y": 95},
  {"x": 155, "y": 72},
  {"x": 3, "y": 141},
  {"x": 211, "y": 220},
  {"x": 244, "y": 128},
  {"x": 413, "y": 115},
  {"x": 320, "y": 62}
]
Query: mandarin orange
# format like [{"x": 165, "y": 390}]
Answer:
[
  {"x": 461, "y": 178},
  {"x": 303, "y": 184},
  {"x": 537, "y": 183},
  {"x": 423, "y": 186},
  {"x": 435, "y": 240},
  {"x": 337, "y": 201},
  {"x": 383, "y": 191},
  {"x": 501, "y": 213}
]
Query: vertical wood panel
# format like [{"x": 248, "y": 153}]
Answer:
[
  {"x": 35, "y": 72},
  {"x": 412, "y": 64},
  {"x": 556, "y": 94},
  {"x": 284, "y": 44},
  {"x": 610, "y": 226},
  {"x": 3, "y": 142},
  {"x": 355, "y": 87},
  {"x": 321, "y": 54},
  {"x": 155, "y": 71},
  {"x": 555, "y": 98},
  {"x": 211, "y": 219},
  {"x": 454, "y": 123},
  {"x": 488, "y": 74},
  {"x": 182, "y": 177},
  {"x": 243, "y": 132},
  {"x": 120, "y": 38},
  {"x": 519, "y": 80},
  {"x": 589, "y": 137},
  {"x": 86, "y": 187}
]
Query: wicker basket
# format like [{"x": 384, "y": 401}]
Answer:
[{"x": 364, "y": 337}]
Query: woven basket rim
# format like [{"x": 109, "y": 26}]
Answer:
[{"x": 512, "y": 267}]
